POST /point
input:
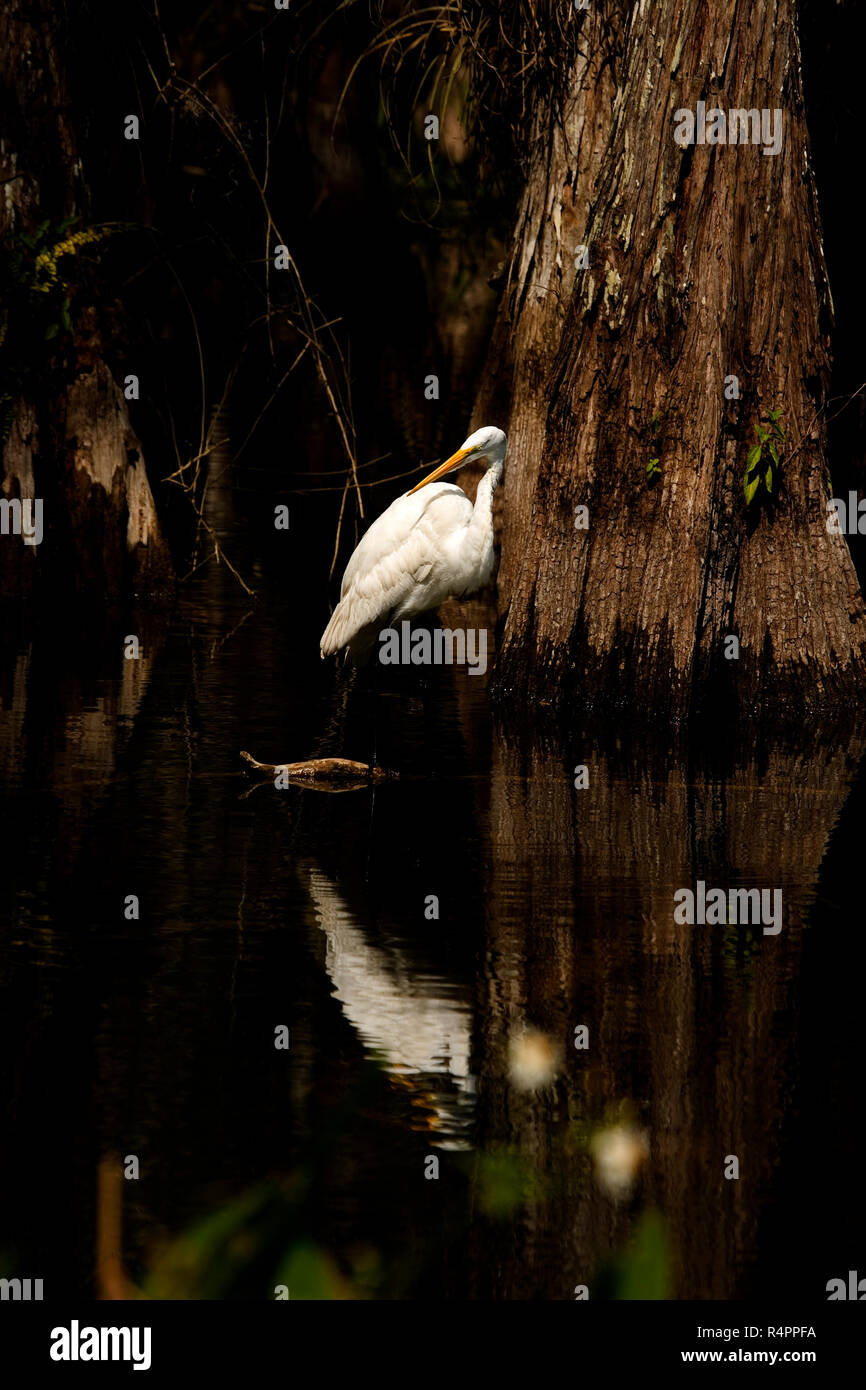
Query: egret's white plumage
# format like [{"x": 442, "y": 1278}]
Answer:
[{"x": 430, "y": 545}]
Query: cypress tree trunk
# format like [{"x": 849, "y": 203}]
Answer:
[
  {"x": 704, "y": 263},
  {"x": 67, "y": 434}
]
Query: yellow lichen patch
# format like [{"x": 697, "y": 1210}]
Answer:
[
  {"x": 612, "y": 283},
  {"x": 45, "y": 270}
]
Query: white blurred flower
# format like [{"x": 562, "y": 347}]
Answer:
[
  {"x": 619, "y": 1153},
  {"x": 533, "y": 1060}
]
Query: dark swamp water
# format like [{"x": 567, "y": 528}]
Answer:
[{"x": 260, "y": 907}]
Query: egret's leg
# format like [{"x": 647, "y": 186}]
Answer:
[{"x": 374, "y": 686}]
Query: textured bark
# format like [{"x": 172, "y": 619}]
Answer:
[
  {"x": 72, "y": 445},
  {"x": 704, "y": 263},
  {"x": 551, "y": 224}
]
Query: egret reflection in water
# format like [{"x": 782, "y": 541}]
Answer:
[{"x": 415, "y": 1022}]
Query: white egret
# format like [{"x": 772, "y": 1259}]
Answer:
[{"x": 430, "y": 545}]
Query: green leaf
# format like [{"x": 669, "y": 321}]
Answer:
[
  {"x": 310, "y": 1274},
  {"x": 763, "y": 434},
  {"x": 653, "y": 469},
  {"x": 750, "y": 488},
  {"x": 502, "y": 1183},
  {"x": 768, "y": 480},
  {"x": 753, "y": 458},
  {"x": 774, "y": 453},
  {"x": 644, "y": 1269},
  {"x": 51, "y": 331}
]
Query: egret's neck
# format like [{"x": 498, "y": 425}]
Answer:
[{"x": 487, "y": 486}]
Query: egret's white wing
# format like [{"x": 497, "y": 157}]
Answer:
[
  {"x": 398, "y": 522},
  {"x": 403, "y": 563}
]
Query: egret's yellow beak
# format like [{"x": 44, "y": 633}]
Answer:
[{"x": 446, "y": 467}]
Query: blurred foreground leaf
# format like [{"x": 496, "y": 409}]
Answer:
[{"x": 643, "y": 1270}]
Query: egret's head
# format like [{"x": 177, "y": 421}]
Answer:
[{"x": 487, "y": 443}]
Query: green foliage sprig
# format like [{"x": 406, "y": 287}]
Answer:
[
  {"x": 761, "y": 477},
  {"x": 654, "y": 466}
]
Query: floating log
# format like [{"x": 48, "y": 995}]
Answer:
[{"x": 323, "y": 771}]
